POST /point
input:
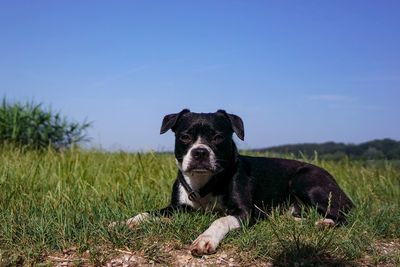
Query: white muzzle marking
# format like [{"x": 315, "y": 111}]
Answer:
[{"x": 187, "y": 158}]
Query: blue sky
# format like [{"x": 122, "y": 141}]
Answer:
[{"x": 298, "y": 71}]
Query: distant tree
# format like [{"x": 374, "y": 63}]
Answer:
[{"x": 33, "y": 126}]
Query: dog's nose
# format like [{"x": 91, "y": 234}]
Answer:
[{"x": 200, "y": 153}]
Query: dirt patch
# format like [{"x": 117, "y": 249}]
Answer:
[
  {"x": 178, "y": 258},
  {"x": 384, "y": 253},
  {"x": 127, "y": 258},
  {"x": 388, "y": 247}
]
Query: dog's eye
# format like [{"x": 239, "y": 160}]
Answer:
[
  {"x": 218, "y": 138},
  {"x": 185, "y": 138}
]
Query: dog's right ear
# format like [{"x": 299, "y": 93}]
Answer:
[{"x": 170, "y": 120}]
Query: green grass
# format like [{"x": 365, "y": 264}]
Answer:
[{"x": 53, "y": 201}]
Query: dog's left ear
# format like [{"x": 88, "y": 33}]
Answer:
[
  {"x": 170, "y": 120},
  {"x": 236, "y": 123}
]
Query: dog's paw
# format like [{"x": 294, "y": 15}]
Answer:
[
  {"x": 132, "y": 222},
  {"x": 298, "y": 219},
  {"x": 204, "y": 244},
  {"x": 138, "y": 219},
  {"x": 325, "y": 223}
]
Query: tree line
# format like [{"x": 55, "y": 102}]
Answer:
[{"x": 372, "y": 150}]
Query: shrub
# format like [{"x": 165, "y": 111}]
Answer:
[{"x": 33, "y": 126}]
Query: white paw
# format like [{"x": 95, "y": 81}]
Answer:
[
  {"x": 298, "y": 219},
  {"x": 138, "y": 219},
  {"x": 204, "y": 244},
  {"x": 132, "y": 222},
  {"x": 325, "y": 223}
]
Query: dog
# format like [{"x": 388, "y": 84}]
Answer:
[{"x": 213, "y": 176}]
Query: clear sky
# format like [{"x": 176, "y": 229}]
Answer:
[{"x": 295, "y": 71}]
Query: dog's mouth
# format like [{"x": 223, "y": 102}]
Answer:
[{"x": 200, "y": 170}]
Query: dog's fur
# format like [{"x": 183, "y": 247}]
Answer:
[{"x": 242, "y": 188}]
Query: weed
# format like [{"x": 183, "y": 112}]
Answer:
[{"x": 31, "y": 126}]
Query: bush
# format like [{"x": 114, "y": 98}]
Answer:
[{"x": 32, "y": 126}]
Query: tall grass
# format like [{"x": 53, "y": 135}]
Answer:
[
  {"x": 31, "y": 125},
  {"x": 51, "y": 201}
]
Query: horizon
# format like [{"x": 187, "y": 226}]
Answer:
[
  {"x": 302, "y": 73},
  {"x": 269, "y": 149},
  {"x": 277, "y": 146}
]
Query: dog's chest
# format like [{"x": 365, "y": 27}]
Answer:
[{"x": 209, "y": 202}]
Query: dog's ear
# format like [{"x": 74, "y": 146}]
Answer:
[
  {"x": 236, "y": 123},
  {"x": 170, "y": 120}
]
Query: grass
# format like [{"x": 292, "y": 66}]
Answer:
[{"x": 52, "y": 201}]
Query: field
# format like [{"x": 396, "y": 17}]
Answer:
[{"x": 55, "y": 209}]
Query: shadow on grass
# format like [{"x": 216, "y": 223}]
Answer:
[{"x": 307, "y": 255}]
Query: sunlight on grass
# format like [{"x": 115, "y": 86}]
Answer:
[{"x": 51, "y": 201}]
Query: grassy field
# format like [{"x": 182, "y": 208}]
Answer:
[{"x": 54, "y": 203}]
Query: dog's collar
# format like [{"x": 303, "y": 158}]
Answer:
[{"x": 195, "y": 195}]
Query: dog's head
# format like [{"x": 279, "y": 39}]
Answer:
[{"x": 203, "y": 141}]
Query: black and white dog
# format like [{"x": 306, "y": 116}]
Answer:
[{"x": 212, "y": 175}]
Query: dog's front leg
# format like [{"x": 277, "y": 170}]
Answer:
[{"x": 208, "y": 241}]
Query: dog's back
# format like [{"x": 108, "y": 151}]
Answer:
[{"x": 279, "y": 181}]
